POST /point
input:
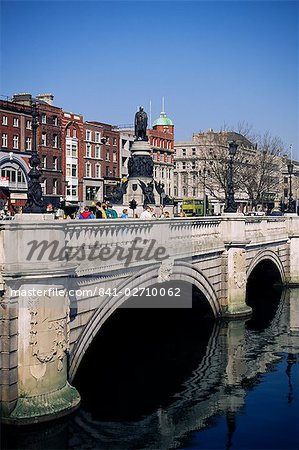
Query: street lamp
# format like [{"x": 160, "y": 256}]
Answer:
[
  {"x": 35, "y": 201},
  {"x": 291, "y": 203},
  {"x": 231, "y": 206}
]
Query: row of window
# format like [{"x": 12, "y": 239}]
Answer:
[
  {"x": 54, "y": 140},
  {"x": 54, "y": 187},
  {"x": 162, "y": 172},
  {"x": 16, "y": 121},
  {"x": 161, "y": 143},
  {"x": 97, "y": 137},
  {"x": 13, "y": 175},
  {"x": 16, "y": 143},
  {"x": 54, "y": 120},
  {"x": 54, "y": 163}
]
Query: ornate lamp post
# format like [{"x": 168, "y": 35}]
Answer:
[
  {"x": 35, "y": 201},
  {"x": 231, "y": 206},
  {"x": 291, "y": 202}
]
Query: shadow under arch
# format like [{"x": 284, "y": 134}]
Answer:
[
  {"x": 181, "y": 272},
  {"x": 267, "y": 255},
  {"x": 264, "y": 289}
]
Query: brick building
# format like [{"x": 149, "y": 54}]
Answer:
[
  {"x": 49, "y": 142},
  {"x": 110, "y": 155},
  {"x": 93, "y": 181},
  {"x": 161, "y": 139},
  {"x": 15, "y": 151}
]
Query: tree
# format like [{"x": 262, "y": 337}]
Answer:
[{"x": 257, "y": 164}]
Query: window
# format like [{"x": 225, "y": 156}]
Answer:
[
  {"x": 184, "y": 166},
  {"x": 4, "y": 120},
  {"x": 88, "y": 151},
  {"x": 193, "y": 165},
  {"x": 15, "y": 122},
  {"x": 74, "y": 150},
  {"x": 68, "y": 149},
  {"x": 97, "y": 137},
  {"x": 114, "y": 156},
  {"x": 87, "y": 170},
  {"x": 74, "y": 133},
  {"x": 68, "y": 132},
  {"x": 16, "y": 141},
  {"x": 98, "y": 171},
  {"x": 44, "y": 162},
  {"x": 55, "y": 162},
  {"x": 44, "y": 139},
  {"x": 88, "y": 135},
  {"x": 68, "y": 170},
  {"x": 44, "y": 118},
  {"x": 285, "y": 180},
  {"x": 114, "y": 172},
  {"x": 97, "y": 152},
  {"x": 55, "y": 140},
  {"x": 44, "y": 186},
  {"x": 21, "y": 178},
  {"x": 107, "y": 156},
  {"x": 183, "y": 151},
  {"x": 54, "y": 190},
  {"x": 74, "y": 170},
  {"x": 28, "y": 124},
  {"x": 107, "y": 171},
  {"x": 4, "y": 140},
  {"x": 55, "y": 121},
  {"x": 194, "y": 192},
  {"x": 193, "y": 151},
  {"x": 114, "y": 141},
  {"x": 74, "y": 191},
  {"x": 174, "y": 165},
  {"x": 28, "y": 143}
]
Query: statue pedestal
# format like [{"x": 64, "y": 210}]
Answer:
[{"x": 140, "y": 168}]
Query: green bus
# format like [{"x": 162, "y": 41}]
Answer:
[{"x": 195, "y": 206}]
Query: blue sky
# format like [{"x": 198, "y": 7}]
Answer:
[{"x": 214, "y": 62}]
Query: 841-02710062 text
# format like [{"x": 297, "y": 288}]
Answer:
[{"x": 138, "y": 292}]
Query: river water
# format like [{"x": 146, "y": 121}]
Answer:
[{"x": 164, "y": 379}]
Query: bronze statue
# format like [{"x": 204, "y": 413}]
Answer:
[
  {"x": 141, "y": 125},
  {"x": 148, "y": 192}
]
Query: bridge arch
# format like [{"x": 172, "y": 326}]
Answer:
[
  {"x": 181, "y": 271},
  {"x": 267, "y": 255}
]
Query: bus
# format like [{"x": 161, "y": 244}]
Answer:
[{"x": 195, "y": 206}]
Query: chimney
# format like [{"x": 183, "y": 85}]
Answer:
[
  {"x": 23, "y": 98},
  {"x": 48, "y": 98}
]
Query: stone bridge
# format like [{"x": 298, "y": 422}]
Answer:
[{"x": 61, "y": 280}]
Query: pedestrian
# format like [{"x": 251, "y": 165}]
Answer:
[
  {"x": 146, "y": 213},
  {"x": 85, "y": 214},
  {"x": 110, "y": 212},
  {"x": 100, "y": 211},
  {"x": 124, "y": 214}
]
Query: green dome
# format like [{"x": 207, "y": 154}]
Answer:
[{"x": 162, "y": 120}]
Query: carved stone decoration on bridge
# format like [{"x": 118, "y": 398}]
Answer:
[
  {"x": 239, "y": 259},
  {"x": 49, "y": 336},
  {"x": 165, "y": 271}
]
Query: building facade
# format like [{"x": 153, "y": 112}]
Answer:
[
  {"x": 15, "y": 151},
  {"x": 201, "y": 170},
  {"x": 73, "y": 157},
  {"x": 161, "y": 139}
]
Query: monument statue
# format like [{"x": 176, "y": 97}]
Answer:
[
  {"x": 148, "y": 192},
  {"x": 117, "y": 196},
  {"x": 141, "y": 125}
]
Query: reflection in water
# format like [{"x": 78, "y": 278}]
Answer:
[{"x": 168, "y": 379}]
